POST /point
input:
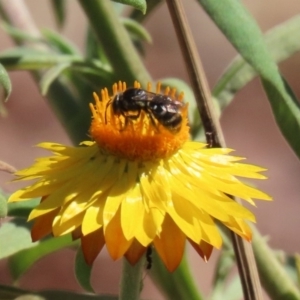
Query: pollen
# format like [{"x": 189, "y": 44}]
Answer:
[{"x": 135, "y": 135}]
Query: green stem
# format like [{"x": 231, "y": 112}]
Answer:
[
  {"x": 131, "y": 281},
  {"x": 115, "y": 41},
  {"x": 185, "y": 282},
  {"x": 177, "y": 285},
  {"x": 272, "y": 275}
]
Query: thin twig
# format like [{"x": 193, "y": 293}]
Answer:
[
  {"x": 197, "y": 76},
  {"x": 214, "y": 136}
]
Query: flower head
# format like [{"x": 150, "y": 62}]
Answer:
[{"x": 139, "y": 183}]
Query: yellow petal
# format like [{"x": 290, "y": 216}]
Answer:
[
  {"x": 240, "y": 227},
  {"x": 160, "y": 184},
  {"x": 204, "y": 249},
  {"x": 199, "y": 198},
  {"x": 43, "y": 226},
  {"x": 92, "y": 244},
  {"x": 135, "y": 252},
  {"x": 185, "y": 215},
  {"x": 152, "y": 192},
  {"x": 116, "y": 195},
  {"x": 92, "y": 220},
  {"x": 210, "y": 232},
  {"x": 71, "y": 210},
  {"x": 170, "y": 244},
  {"x": 59, "y": 229},
  {"x": 151, "y": 227},
  {"x": 132, "y": 205},
  {"x": 116, "y": 242}
]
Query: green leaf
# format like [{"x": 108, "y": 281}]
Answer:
[
  {"x": 93, "y": 48},
  {"x": 20, "y": 262},
  {"x": 5, "y": 89},
  {"x": 50, "y": 75},
  {"x": 16, "y": 236},
  {"x": 136, "y": 30},
  {"x": 273, "y": 276},
  {"x": 151, "y": 6},
  {"x": 5, "y": 84},
  {"x": 138, "y": 4},
  {"x": 22, "y": 208},
  {"x": 59, "y": 7},
  {"x": 3, "y": 206},
  {"x": 60, "y": 43},
  {"x": 290, "y": 263},
  {"x": 224, "y": 266},
  {"x": 20, "y": 36},
  {"x": 291, "y": 92},
  {"x": 297, "y": 264},
  {"x": 97, "y": 80},
  {"x": 137, "y": 33},
  {"x": 23, "y": 58},
  {"x": 233, "y": 291},
  {"x": 242, "y": 31},
  {"x": 281, "y": 44},
  {"x": 13, "y": 293},
  {"x": 83, "y": 272}
]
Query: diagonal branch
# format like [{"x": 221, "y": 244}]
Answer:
[{"x": 214, "y": 136}]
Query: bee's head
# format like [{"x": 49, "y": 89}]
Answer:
[{"x": 134, "y": 94}]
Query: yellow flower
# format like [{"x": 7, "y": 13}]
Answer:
[{"x": 139, "y": 183}]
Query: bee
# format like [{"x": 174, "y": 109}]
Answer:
[{"x": 159, "y": 108}]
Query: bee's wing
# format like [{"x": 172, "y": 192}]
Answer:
[{"x": 149, "y": 96}]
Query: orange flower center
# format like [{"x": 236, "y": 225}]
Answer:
[{"x": 135, "y": 133}]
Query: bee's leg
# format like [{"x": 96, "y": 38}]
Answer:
[
  {"x": 126, "y": 123},
  {"x": 106, "y": 108},
  {"x": 129, "y": 118},
  {"x": 132, "y": 118},
  {"x": 122, "y": 127},
  {"x": 135, "y": 117},
  {"x": 152, "y": 119},
  {"x": 149, "y": 257}
]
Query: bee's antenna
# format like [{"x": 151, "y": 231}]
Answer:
[{"x": 108, "y": 103}]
